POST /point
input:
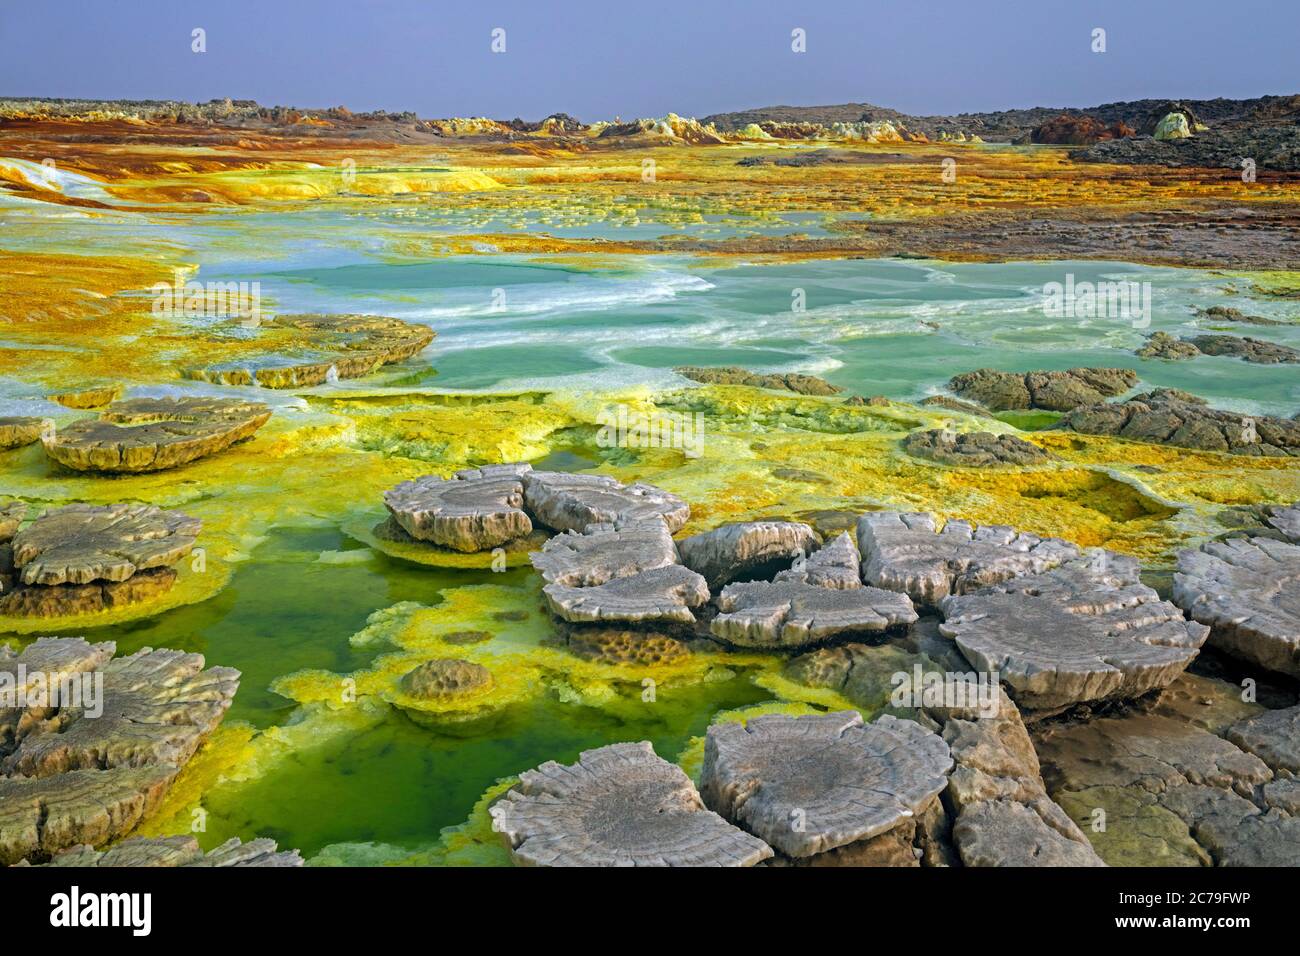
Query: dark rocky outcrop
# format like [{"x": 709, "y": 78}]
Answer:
[
  {"x": 735, "y": 375},
  {"x": 1054, "y": 391},
  {"x": 1172, "y": 417},
  {"x": 973, "y": 449}
]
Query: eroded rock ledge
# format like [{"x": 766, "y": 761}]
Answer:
[
  {"x": 86, "y": 766},
  {"x": 178, "y": 851},
  {"x": 153, "y": 434},
  {"x": 1248, "y": 591},
  {"x": 318, "y": 348},
  {"x": 80, "y": 559}
]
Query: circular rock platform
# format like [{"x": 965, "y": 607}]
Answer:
[
  {"x": 317, "y": 348},
  {"x": 152, "y": 434},
  {"x": 477, "y": 509},
  {"x": 1072, "y": 635},
  {"x": 810, "y": 784},
  {"x": 619, "y": 805}
]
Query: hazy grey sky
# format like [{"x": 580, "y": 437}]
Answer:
[{"x": 646, "y": 57}]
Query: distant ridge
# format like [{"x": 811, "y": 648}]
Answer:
[{"x": 1011, "y": 125}]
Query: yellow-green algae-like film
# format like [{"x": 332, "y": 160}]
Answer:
[{"x": 305, "y": 588}]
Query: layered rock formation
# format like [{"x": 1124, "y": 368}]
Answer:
[
  {"x": 746, "y": 549},
  {"x": 907, "y": 552},
  {"x": 96, "y": 741},
  {"x": 570, "y": 502},
  {"x": 321, "y": 348},
  {"x": 479, "y": 509},
  {"x": 152, "y": 434},
  {"x": 793, "y": 614},
  {"x": 475, "y": 510},
  {"x": 1072, "y": 635},
  {"x": 80, "y": 559},
  {"x": 178, "y": 851},
  {"x": 1248, "y": 591},
  {"x": 19, "y": 430}
]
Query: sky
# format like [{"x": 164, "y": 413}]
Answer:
[{"x": 630, "y": 58}]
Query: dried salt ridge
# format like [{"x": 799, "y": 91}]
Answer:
[
  {"x": 1287, "y": 521},
  {"x": 569, "y": 502},
  {"x": 87, "y": 771},
  {"x": 178, "y": 851},
  {"x": 815, "y": 784},
  {"x": 903, "y": 551},
  {"x": 475, "y": 510},
  {"x": 836, "y": 565},
  {"x": 323, "y": 347},
  {"x": 972, "y": 449},
  {"x": 816, "y": 599},
  {"x": 80, "y": 559},
  {"x": 12, "y": 514},
  {"x": 1002, "y": 813},
  {"x": 1073, "y": 634},
  {"x": 1168, "y": 416},
  {"x": 1184, "y": 784},
  {"x": 794, "y": 614},
  {"x": 619, "y": 574},
  {"x": 19, "y": 430},
  {"x": 153, "y": 434},
  {"x": 1054, "y": 391},
  {"x": 482, "y": 508},
  {"x": 746, "y": 548},
  {"x": 1248, "y": 591},
  {"x": 619, "y": 805}
]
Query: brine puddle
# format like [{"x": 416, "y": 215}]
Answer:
[{"x": 294, "y": 605}]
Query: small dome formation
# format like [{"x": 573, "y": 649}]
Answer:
[
  {"x": 82, "y": 559},
  {"x": 445, "y": 678},
  {"x": 154, "y": 434}
]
